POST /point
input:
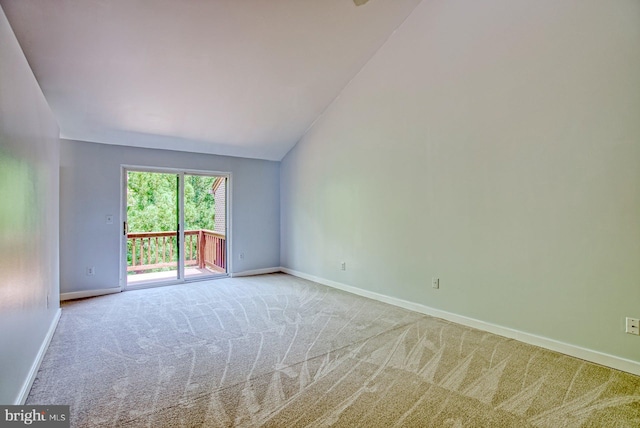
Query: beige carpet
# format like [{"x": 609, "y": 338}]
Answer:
[{"x": 279, "y": 351}]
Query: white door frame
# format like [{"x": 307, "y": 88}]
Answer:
[{"x": 180, "y": 172}]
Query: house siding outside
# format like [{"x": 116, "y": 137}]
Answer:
[{"x": 220, "y": 199}]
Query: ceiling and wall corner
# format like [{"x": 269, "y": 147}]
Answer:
[{"x": 239, "y": 78}]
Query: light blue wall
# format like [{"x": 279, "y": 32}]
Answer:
[
  {"x": 492, "y": 144},
  {"x": 90, "y": 180},
  {"x": 28, "y": 218}
]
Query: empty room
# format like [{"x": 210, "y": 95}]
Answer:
[{"x": 297, "y": 213}]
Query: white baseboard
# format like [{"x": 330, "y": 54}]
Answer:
[
  {"x": 88, "y": 293},
  {"x": 256, "y": 272},
  {"x": 597, "y": 357},
  {"x": 26, "y": 386}
]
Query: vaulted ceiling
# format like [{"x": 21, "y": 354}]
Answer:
[{"x": 232, "y": 77}]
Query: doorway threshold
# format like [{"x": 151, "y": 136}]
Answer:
[{"x": 170, "y": 275}]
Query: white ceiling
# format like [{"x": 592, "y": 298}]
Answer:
[{"x": 233, "y": 77}]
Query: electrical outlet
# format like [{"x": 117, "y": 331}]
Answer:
[
  {"x": 241, "y": 255},
  {"x": 343, "y": 266},
  {"x": 91, "y": 270},
  {"x": 435, "y": 282},
  {"x": 633, "y": 326}
]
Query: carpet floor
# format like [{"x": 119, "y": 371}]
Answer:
[{"x": 279, "y": 351}]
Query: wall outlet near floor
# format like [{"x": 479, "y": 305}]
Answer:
[
  {"x": 241, "y": 256},
  {"x": 633, "y": 326},
  {"x": 91, "y": 270},
  {"x": 343, "y": 265},
  {"x": 435, "y": 282}
]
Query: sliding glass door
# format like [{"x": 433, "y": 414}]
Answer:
[
  {"x": 152, "y": 226},
  {"x": 174, "y": 226},
  {"x": 204, "y": 225}
]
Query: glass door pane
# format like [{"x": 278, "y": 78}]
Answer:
[
  {"x": 205, "y": 225},
  {"x": 152, "y": 221}
]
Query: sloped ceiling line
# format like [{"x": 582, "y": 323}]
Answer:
[{"x": 232, "y": 78}]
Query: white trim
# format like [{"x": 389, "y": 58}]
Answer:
[
  {"x": 217, "y": 275},
  {"x": 153, "y": 284},
  {"x": 256, "y": 272},
  {"x": 28, "y": 383},
  {"x": 88, "y": 293},
  {"x": 597, "y": 357},
  {"x": 228, "y": 222},
  {"x": 122, "y": 230},
  {"x": 181, "y": 247}
]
